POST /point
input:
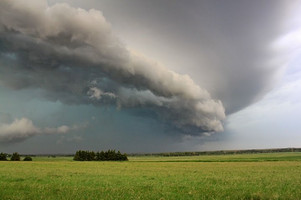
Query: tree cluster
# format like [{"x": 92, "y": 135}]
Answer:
[
  {"x": 14, "y": 157},
  {"x": 110, "y": 155},
  {"x": 27, "y": 158},
  {"x": 3, "y": 156}
]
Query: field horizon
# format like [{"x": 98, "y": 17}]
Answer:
[{"x": 184, "y": 153}]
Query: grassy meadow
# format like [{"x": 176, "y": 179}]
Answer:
[{"x": 243, "y": 176}]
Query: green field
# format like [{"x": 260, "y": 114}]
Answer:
[{"x": 247, "y": 176}]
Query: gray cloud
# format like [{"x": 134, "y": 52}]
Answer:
[
  {"x": 223, "y": 45},
  {"x": 73, "y": 56},
  {"x": 22, "y": 129}
]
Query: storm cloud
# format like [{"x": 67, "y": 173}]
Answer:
[
  {"x": 224, "y": 46},
  {"x": 73, "y": 56}
]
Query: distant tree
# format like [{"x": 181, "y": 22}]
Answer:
[
  {"x": 15, "y": 157},
  {"x": 100, "y": 156},
  {"x": 78, "y": 156},
  {"x": 27, "y": 158},
  {"x": 3, "y": 156},
  {"x": 90, "y": 155}
]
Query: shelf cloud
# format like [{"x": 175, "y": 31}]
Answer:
[{"x": 73, "y": 56}]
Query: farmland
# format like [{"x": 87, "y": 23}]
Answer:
[{"x": 241, "y": 176}]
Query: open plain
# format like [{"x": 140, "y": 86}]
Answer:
[{"x": 242, "y": 176}]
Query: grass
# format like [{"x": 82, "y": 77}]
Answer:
[{"x": 247, "y": 176}]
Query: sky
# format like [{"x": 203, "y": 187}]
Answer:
[{"x": 149, "y": 76}]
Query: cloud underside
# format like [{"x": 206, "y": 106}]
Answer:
[
  {"x": 72, "y": 55},
  {"x": 22, "y": 129}
]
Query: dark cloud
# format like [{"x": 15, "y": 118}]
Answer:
[
  {"x": 73, "y": 56},
  {"x": 225, "y": 46}
]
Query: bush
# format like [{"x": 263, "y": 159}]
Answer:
[
  {"x": 27, "y": 158},
  {"x": 110, "y": 155},
  {"x": 15, "y": 157},
  {"x": 3, "y": 156}
]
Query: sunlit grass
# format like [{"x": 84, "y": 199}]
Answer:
[{"x": 198, "y": 177}]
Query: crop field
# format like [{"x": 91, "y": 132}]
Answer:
[{"x": 244, "y": 176}]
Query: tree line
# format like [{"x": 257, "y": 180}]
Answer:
[
  {"x": 14, "y": 157},
  {"x": 110, "y": 155},
  {"x": 221, "y": 152}
]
